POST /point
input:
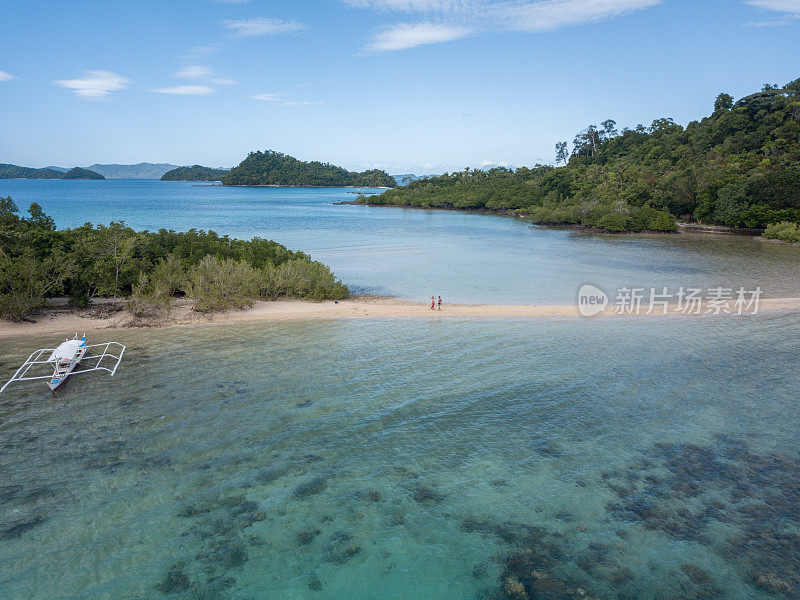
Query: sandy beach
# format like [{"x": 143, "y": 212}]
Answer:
[{"x": 60, "y": 319}]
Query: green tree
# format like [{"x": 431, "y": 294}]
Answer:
[
  {"x": 723, "y": 102},
  {"x": 562, "y": 154}
]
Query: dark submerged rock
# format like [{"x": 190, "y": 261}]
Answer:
[
  {"x": 425, "y": 495},
  {"x": 310, "y": 488},
  {"x": 315, "y": 583},
  {"x": 175, "y": 580},
  {"x": 305, "y": 537},
  {"x": 697, "y": 575},
  {"x": 340, "y": 549},
  {"x": 772, "y": 583},
  {"x": 18, "y": 528}
]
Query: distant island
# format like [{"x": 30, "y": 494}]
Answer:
[
  {"x": 194, "y": 173},
  {"x": 142, "y": 170},
  {"x": 79, "y": 173},
  {"x": 738, "y": 167},
  {"x": 272, "y": 168},
  {"x": 16, "y": 172}
]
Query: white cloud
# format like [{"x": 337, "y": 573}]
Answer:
[
  {"x": 194, "y": 72},
  {"x": 204, "y": 74},
  {"x": 548, "y": 15},
  {"x": 95, "y": 84},
  {"x": 784, "y": 6},
  {"x": 262, "y": 26},
  {"x": 458, "y": 18},
  {"x": 278, "y": 99},
  {"x": 6, "y": 76},
  {"x": 187, "y": 90},
  {"x": 411, "y": 5},
  {"x": 776, "y": 23},
  {"x": 410, "y": 35}
]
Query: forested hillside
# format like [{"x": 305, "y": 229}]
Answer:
[
  {"x": 16, "y": 172},
  {"x": 738, "y": 167},
  {"x": 79, "y": 173},
  {"x": 275, "y": 168},
  {"x": 194, "y": 173}
]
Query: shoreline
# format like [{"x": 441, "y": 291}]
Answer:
[
  {"x": 108, "y": 315},
  {"x": 683, "y": 227},
  {"x": 313, "y": 187}
]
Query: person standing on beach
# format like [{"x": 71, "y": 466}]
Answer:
[
  {"x": 440, "y": 303},
  {"x": 433, "y": 302}
]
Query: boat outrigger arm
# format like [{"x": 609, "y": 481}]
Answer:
[{"x": 65, "y": 359}]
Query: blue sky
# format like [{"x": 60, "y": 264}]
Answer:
[{"x": 407, "y": 85}]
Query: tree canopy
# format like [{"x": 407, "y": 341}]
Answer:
[
  {"x": 16, "y": 172},
  {"x": 738, "y": 167},
  {"x": 194, "y": 173},
  {"x": 79, "y": 173},
  {"x": 274, "y": 168},
  {"x": 38, "y": 261}
]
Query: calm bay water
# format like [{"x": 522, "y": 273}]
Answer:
[
  {"x": 413, "y": 253},
  {"x": 394, "y": 459},
  {"x": 403, "y": 459}
]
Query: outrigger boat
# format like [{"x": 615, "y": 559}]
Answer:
[{"x": 65, "y": 359}]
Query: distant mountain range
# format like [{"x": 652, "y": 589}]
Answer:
[
  {"x": 16, "y": 172},
  {"x": 405, "y": 178},
  {"x": 138, "y": 171}
]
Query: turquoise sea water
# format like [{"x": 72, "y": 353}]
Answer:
[
  {"x": 405, "y": 459},
  {"x": 414, "y": 253},
  {"x": 491, "y": 459}
]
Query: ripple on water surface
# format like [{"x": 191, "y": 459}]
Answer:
[{"x": 400, "y": 459}]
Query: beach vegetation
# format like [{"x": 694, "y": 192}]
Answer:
[
  {"x": 738, "y": 167},
  {"x": 301, "y": 278},
  {"x": 785, "y": 231},
  {"x": 39, "y": 261},
  {"x": 218, "y": 283}
]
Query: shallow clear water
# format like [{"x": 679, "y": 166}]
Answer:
[
  {"x": 414, "y": 253},
  {"x": 398, "y": 459}
]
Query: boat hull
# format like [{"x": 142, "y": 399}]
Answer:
[
  {"x": 56, "y": 382},
  {"x": 59, "y": 379}
]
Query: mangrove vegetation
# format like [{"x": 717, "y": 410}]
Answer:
[
  {"x": 38, "y": 261},
  {"x": 738, "y": 167}
]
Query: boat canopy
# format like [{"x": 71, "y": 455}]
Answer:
[{"x": 66, "y": 351}]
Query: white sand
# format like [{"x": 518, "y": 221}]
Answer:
[{"x": 63, "y": 321}]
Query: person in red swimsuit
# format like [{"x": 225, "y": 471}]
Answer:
[{"x": 433, "y": 302}]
